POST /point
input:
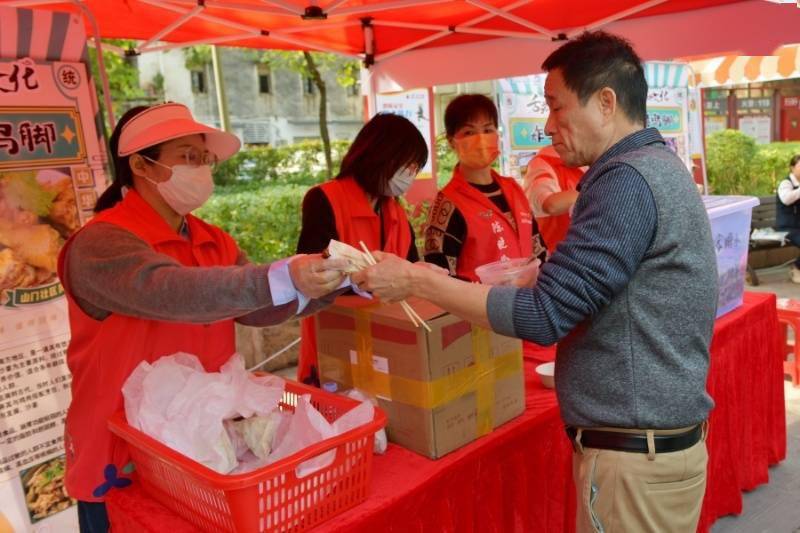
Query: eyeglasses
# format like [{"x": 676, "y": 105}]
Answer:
[{"x": 193, "y": 157}]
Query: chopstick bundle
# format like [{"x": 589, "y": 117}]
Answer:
[
  {"x": 412, "y": 315},
  {"x": 360, "y": 260}
]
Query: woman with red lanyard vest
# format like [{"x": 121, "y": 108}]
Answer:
[
  {"x": 480, "y": 216},
  {"x": 360, "y": 204},
  {"x": 552, "y": 189},
  {"x": 145, "y": 279}
]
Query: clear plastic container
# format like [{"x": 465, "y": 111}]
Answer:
[
  {"x": 521, "y": 272},
  {"x": 730, "y": 229}
]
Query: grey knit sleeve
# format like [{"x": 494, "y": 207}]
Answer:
[{"x": 110, "y": 270}]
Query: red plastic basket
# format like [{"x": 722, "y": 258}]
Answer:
[{"x": 272, "y": 498}]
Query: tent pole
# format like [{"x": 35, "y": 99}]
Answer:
[
  {"x": 384, "y": 6},
  {"x": 513, "y": 18},
  {"x": 412, "y": 45},
  {"x": 331, "y": 8},
  {"x": 101, "y": 66},
  {"x": 222, "y": 102},
  {"x": 180, "y": 21},
  {"x": 509, "y": 8},
  {"x": 210, "y": 40},
  {"x": 367, "y": 80},
  {"x": 615, "y": 17}
]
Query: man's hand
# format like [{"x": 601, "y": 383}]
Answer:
[
  {"x": 393, "y": 279},
  {"x": 314, "y": 276}
]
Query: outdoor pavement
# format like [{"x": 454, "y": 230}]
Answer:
[{"x": 775, "y": 507}]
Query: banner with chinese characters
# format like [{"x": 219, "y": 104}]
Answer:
[
  {"x": 522, "y": 114},
  {"x": 417, "y": 106},
  {"x": 668, "y": 111},
  {"x": 51, "y": 173},
  {"x": 672, "y": 108}
]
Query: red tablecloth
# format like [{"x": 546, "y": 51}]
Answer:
[{"x": 519, "y": 477}]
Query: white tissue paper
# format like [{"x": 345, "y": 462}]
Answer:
[
  {"x": 308, "y": 427},
  {"x": 177, "y": 402}
]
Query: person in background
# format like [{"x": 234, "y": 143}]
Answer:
[
  {"x": 146, "y": 279},
  {"x": 630, "y": 295},
  {"x": 361, "y": 204},
  {"x": 787, "y": 215},
  {"x": 551, "y": 187},
  {"x": 480, "y": 216}
]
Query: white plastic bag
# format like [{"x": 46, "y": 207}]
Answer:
[
  {"x": 308, "y": 427},
  {"x": 381, "y": 441},
  {"x": 175, "y": 401}
]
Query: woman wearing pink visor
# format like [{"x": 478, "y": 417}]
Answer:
[{"x": 145, "y": 279}]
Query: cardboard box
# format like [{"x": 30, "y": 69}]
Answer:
[{"x": 440, "y": 390}]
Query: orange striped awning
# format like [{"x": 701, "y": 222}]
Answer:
[{"x": 740, "y": 70}]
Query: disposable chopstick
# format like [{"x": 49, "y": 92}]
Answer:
[{"x": 412, "y": 315}]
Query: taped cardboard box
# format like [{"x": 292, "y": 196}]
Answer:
[{"x": 440, "y": 390}]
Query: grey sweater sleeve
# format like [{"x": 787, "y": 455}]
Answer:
[
  {"x": 613, "y": 227},
  {"x": 110, "y": 270}
]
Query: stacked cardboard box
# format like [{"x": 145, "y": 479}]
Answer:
[{"x": 440, "y": 389}]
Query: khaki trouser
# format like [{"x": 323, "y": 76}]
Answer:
[{"x": 624, "y": 492}]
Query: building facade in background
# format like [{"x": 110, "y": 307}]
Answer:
[
  {"x": 757, "y": 95},
  {"x": 266, "y": 106}
]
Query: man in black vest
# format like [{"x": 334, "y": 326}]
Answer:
[{"x": 787, "y": 210}]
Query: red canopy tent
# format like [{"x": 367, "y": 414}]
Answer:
[{"x": 414, "y": 43}]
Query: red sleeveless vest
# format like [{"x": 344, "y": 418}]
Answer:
[
  {"x": 102, "y": 354},
  {"x": 356, "y": 221},
  {"x": 490, "y": 236}
]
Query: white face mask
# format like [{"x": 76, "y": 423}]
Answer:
[
  {"x": 400, "y": 182},
  {"x": 187, "y": 188}
]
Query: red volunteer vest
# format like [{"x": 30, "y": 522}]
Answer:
[
  {"x": 356, "y": 221},
  {"x": 554, "y": 227},
  {"x": 102, "y": 354},
  {"x": 490, "y": 236}
]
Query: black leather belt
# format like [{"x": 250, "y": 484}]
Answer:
[{"x": 635, "y": 442}]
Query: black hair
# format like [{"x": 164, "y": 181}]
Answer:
[
  {"x": 794, "y": 161},
  {"x": 384, "y": 145},
  {"x": 467, "y": 107},
  {"x": 123, "y": 177},
  {"x": 595, "y": 60}
]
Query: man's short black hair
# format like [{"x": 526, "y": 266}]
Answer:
[
  {"x": 795, "y": 159},
  {"x": 598, "y": 59}
]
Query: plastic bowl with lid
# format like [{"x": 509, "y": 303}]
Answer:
[{"x": 521, "y": 272}]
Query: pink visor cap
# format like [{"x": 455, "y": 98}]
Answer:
[{"x": 165, "y": 122}]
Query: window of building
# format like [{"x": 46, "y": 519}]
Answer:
[
  {"x": 308, "y": 86},
  {"x": 198, "y": 81},
  {"x": 354, "y": 90},
  {"x": 264, "y": 81}
]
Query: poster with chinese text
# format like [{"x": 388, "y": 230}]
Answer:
[
  {"x": 415, "y": 106},
  {"x": 523, "y": 112},
  {"x": 51, "y": 173}
]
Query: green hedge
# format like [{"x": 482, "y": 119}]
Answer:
[
  {"x": 301, "y": 163},
  {"x": 737, "y": 165},
  {"x": 445, "y": 161},
  {"x": 264, "y": 220}
]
